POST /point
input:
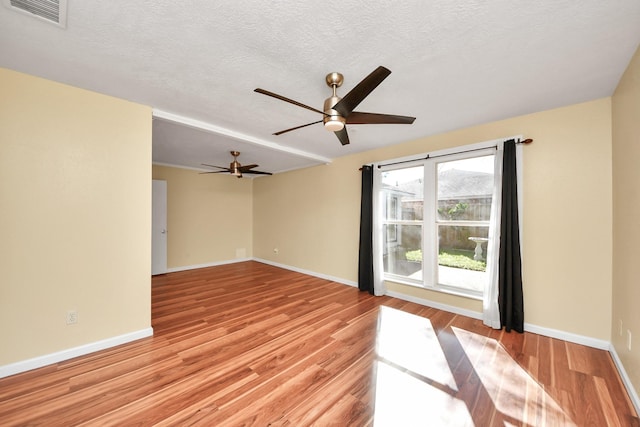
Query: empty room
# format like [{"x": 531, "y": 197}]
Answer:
[{"x": 319, "y": 213}]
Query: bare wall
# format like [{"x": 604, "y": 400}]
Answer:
[
  {"x": 626, "y": 225},
  {"x": 75, "y": 192}
]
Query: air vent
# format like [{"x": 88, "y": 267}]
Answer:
[{"x": 52, "y": 11}]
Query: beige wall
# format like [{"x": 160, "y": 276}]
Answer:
[
  {"x": 312, "y": 215},
  {"x": 75, "y": 217},
  {"x": 209, "y": 217},
  {"x": 626, "y": 222}
]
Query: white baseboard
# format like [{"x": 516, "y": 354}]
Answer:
[
  {"x": 48, "y": 359},
  {"x": 209, "y": 264},
  {"x": 540, "y": 330},
  {"x": 625, "y": 379},
  {"x": 568, "y": 336},
  {"x": 307, "y": 272},
  {"x": 433, "y": 304}
]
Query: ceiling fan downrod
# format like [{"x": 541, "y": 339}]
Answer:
[{"x": 333, "y": 121}]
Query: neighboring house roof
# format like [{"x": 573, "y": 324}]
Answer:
[
  {"x": 399, "y": 189},
  {"x": 459, "y": 184},
  {"x": 452, "y": 184}
]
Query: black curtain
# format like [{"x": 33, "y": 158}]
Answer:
[
  {"x": 365, "y": 259},
  {"x": 510, "y": 298}
]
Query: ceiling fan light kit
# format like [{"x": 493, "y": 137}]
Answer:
[
  {"x": 334, "y": 123},
  {"x": 338, "y": 112}
]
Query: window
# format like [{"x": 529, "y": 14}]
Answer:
[
  {"x": 436, "y": 221},
  {"x": 402, "y": 222}
]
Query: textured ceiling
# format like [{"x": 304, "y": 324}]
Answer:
[{"x": 454, "y": 64}]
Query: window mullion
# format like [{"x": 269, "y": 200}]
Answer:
[
  {"x": 429, "y": 230},
  {"x": 464, "y": 223}
]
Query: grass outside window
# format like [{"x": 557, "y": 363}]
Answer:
[{"x": 454, "y": 258}]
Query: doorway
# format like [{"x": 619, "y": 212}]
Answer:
[{"x": 159, "y": 227}]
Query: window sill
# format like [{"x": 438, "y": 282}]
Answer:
[{"x": 441, "y": 289}]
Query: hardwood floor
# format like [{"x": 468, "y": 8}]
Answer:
[{"x": 252, "y": 345}]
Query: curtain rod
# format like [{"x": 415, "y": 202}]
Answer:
[{"x": 526, "y": 141}]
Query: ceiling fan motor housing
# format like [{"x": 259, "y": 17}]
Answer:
[
  {"x": 334, "y": 121},
  {"x": 234, "y": 166}
]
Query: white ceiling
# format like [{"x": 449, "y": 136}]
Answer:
[{"x": 454, "y": 64}]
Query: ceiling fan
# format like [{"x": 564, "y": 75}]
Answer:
[
  {"x": 338, "y": 112},
  {"x": 235, "y": 168}
]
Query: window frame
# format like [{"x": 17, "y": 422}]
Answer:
[
  {"x": 396, "y": 222},
  {"x": 430, "y": 222}
]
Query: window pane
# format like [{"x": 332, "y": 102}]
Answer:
[
  {"x": 403, "y": 194},
  {"x": 465, "y": 188},
  {"x": 462, "y": 256},
  {"x": 403, "y": 250}
]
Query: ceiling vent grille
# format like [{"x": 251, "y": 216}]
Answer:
[{"x": 52, "y": 11}]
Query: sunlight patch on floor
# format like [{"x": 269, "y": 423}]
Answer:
[
  {"x": 414, "y": 384},
  {"x": 409, "y": 342},
  {"x": 514, "y": 392},
  {"x": 404, "y": 400}
]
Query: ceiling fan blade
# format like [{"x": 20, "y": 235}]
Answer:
[
  {"x": 360, "y": 91},
  {"x": 361, "y": 118},
  {"x": 214, "y": 166},
  {"x": 226, "y": 171},
  {"x": 297, "y": 127},
  {"x": 290, "y": 101},
  {"x": 247, "y": 167},
  {"x": 343, "y": 136},
  {"x": 257, "y": 172}
]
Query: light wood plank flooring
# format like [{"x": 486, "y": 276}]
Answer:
[{"x": 249, "y": 344}]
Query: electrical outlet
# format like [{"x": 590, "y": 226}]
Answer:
[
  {"x": 629, "y": 340},
  {"x": 72, "y": 317}
]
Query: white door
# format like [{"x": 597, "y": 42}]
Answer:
[{"x": 159, "y": 227}]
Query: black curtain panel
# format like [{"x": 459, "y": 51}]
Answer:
[
  {"x": 365, "y": 259},
  {"x": 510, "y": 299}
]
